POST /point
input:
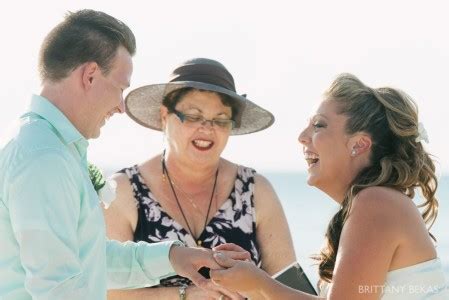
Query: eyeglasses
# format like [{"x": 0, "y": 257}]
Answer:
[{"x": 196, "y": 120}]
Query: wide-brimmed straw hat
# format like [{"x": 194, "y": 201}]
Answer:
[{"x": 143, "y": 104}]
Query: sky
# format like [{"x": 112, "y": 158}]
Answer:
[{"x": 282, "y": 54}]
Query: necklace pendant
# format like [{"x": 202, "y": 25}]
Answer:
[{"x": 199, "y": 242}]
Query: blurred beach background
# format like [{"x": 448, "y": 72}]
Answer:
[{"x": 283, "y": 54}]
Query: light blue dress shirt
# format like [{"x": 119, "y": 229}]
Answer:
[{"x": 52, "y": 232}]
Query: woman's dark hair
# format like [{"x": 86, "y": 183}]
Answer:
[{"x": 173, "y": 98}]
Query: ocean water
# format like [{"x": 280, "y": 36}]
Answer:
[{"x": 309, "y": 210}]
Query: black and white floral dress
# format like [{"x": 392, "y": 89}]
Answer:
[{"x": 234, "y": 222}]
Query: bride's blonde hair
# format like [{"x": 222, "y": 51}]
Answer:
[{"x": 398, "y": 159}]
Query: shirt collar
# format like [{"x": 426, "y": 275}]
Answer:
[{"x": 44, "y": 108}]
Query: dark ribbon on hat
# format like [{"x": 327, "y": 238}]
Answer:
[{"x": 210, "y": 74}]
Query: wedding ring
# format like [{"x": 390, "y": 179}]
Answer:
[{"x": 221, "y": 297}]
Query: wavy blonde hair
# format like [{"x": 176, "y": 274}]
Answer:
[{"x": 397, "y": 160}]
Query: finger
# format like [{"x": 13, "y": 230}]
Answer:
[
  {"x": 211, "y": 263},
  {"x": 237, "y": 255},
  {"x": 228, "y": 247},
  {"x": 237, "y": 296},
  {"x": 196, "y": 278},
  {"x": 223, "y": 260},
  {"x": 228, "y": 294},
  {"x": 217, "y": 276},
  {"x": 213, "y": 290},
  {"x": 206, "y": 259}
]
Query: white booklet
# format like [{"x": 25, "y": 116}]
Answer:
[{"x": 293, "y": 276}]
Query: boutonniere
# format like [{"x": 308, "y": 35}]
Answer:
[{"x": 105, "y": 188}]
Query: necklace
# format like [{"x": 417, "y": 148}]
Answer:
[
  {"x": 189, "y": 197},
  {"x": 165, "y": 172}
]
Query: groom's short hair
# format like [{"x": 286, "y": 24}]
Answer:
[{"x": 84, "y": 36}]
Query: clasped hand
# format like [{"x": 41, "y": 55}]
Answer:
[{"x": 187, "y": 261}]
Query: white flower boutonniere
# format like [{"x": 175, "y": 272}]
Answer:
[
  {"x": 105, "y": 188},
  {"x": 107, "y": 193}
]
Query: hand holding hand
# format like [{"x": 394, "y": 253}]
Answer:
[
  {"x": 233, "y": 251},
  {"x": 240, "y": 276},
  {"x": 187, "y": 261}
]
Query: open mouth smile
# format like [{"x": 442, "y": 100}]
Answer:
[
  {"x": 311, "y": 158},
  {"x": 202, "y": 145}
]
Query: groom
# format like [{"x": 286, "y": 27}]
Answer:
[{"x": 52, "y": 231}]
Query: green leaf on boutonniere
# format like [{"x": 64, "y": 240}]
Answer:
[{"x": 96, "y": 177}]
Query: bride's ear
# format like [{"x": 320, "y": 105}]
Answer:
[{"x": 359, "y": 144}]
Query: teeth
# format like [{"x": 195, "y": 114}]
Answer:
[
  {"x": 202, "y": 143},
  {"x": 309, "y": 155},
  {"x": 311, "y": 158},
  {"x": 311, "y": 161}
]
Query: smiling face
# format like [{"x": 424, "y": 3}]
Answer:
[
  {"x": 199, "y": 142},
  {"x": 329, "y": 150},
  {"x": 107, "y": 92}
]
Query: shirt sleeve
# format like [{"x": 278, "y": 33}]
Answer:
[
  {"x": 44, "y": 204},
  {"x": 136, "y": 265}
]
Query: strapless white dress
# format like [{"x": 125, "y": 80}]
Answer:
[
  {"x": 418, "y": 282},
  {"x": 423, "y": 281}
]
